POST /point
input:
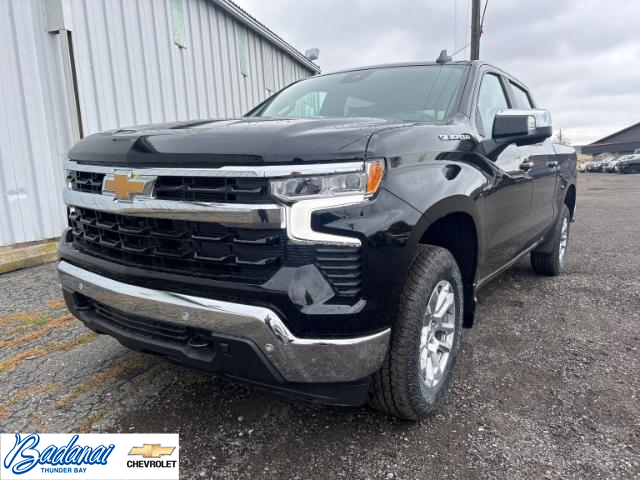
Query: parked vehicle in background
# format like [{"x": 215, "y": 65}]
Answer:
[
  {"x": 582, "y": 167},
  {"x": 629, "y": 164},
  {"x": 609, "y": 165},
  {"x": 595, "y": 165},
  {"x": 330, "y": 243}
]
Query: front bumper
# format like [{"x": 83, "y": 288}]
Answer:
[{"x": 295, "y": 360}]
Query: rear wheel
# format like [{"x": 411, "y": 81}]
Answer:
[
  {"x": 425, "y": 339},
  {"x": 554, "y": 262}
]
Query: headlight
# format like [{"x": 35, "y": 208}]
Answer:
[{"x": 364, "y": 182}]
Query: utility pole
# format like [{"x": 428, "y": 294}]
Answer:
[{"x": 475, "y": 30}]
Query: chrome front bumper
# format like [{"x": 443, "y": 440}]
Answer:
[{"x": 296, "y": 359}]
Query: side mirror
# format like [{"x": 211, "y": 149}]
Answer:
[{"x": 522, "y": 127}]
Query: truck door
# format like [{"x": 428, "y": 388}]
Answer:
[
  {"x": 544, "y": 172},
  {"x": 545, "y": 178},
  {"x": 508, "y": 201}
]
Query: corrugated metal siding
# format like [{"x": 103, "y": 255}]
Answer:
[
  {"x": 34, "y": 126},
  {"x": 129, "y": 73}
]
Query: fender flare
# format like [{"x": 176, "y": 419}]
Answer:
[
  {"x": 448, "y": 206},
  {"x": 458, "y": 204}
]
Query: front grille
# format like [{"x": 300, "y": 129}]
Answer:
[
  {"x": 178, "y": 246},
  {"x": 86, "y": 181},
  {"x": 212, "y": 189},
  {"x": 188, "y": 189},
  {"x": 207, "y": 250}
]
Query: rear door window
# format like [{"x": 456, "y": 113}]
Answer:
[{"x": 521, "y": 97}]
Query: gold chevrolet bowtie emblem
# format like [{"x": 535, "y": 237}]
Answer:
[
  {"x": 123, "y": 186},
  {"x": 152, "y": 451}
]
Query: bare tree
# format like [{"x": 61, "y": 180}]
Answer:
[{"x": 561, "y": 138}]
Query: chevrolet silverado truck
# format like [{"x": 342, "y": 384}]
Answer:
[{"x": 330, "y": 243}]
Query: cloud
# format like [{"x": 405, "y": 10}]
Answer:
[{"x": 578, "y": 57}]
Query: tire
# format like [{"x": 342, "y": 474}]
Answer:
[
  {"x": 402, "y": 387},
  {"x": 554, "y": 262}
]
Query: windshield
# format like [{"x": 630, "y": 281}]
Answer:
[{"x": 414, "y": 93}]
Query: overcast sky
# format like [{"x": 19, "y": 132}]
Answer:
[{"x": 580, "y": 58}]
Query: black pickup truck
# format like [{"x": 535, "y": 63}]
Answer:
[{"x": 330, "y": 243}]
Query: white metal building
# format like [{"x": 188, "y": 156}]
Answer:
[{"x": 69, "y": 68}]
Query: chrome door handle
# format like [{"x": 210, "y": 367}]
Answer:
[
  {"x": 526, "y": 165},
  {"x": 552, "y": 164}
]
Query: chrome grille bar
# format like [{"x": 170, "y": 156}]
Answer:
[
  {"x": 227, "y": 171},
  {"x": 229, "y": 214}
]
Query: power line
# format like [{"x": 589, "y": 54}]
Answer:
[
  {"x": 467, "y": 40},
  {"x": 467, "y": 45},
  {"x": 455, "y": 26},
  {"x": 483, "y": 14}
]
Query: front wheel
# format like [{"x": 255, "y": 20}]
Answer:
[
  {"x": 554, "y": 262},
  {"x": 425, "y": 338}
]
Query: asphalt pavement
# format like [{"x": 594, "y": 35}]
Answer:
[{"x": 547, "y": 384}]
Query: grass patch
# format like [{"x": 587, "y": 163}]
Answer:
[
  {"x": 37, "y": 352},
  {"x": 46, "y": 325},
  {"x": 102, "y": 377},
  {"x": 78, "y": 341},
  {"x": 56, "y": 303},
  {"x": 19, "y": 317},
  {"x": 29, "y": 323}
]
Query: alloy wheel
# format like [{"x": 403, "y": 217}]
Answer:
[
  {"x": 438, "y": 330},
  {"x": 564, "y": 239}
]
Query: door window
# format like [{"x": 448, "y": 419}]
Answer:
[
  {"x": 491, "y": 98},
  {"x": 521, "y": 96}
]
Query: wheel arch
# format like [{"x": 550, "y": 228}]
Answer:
[{"x": 454, "y": 224}]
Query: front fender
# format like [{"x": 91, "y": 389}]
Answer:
[
  {"x": 447, "y": 206},
  {"x": 438, "y": 185}
]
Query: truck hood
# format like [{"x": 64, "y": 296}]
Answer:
[{"x": 245, "y": 141}]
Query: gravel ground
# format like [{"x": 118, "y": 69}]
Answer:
[{"x": 546, "y": 386}]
